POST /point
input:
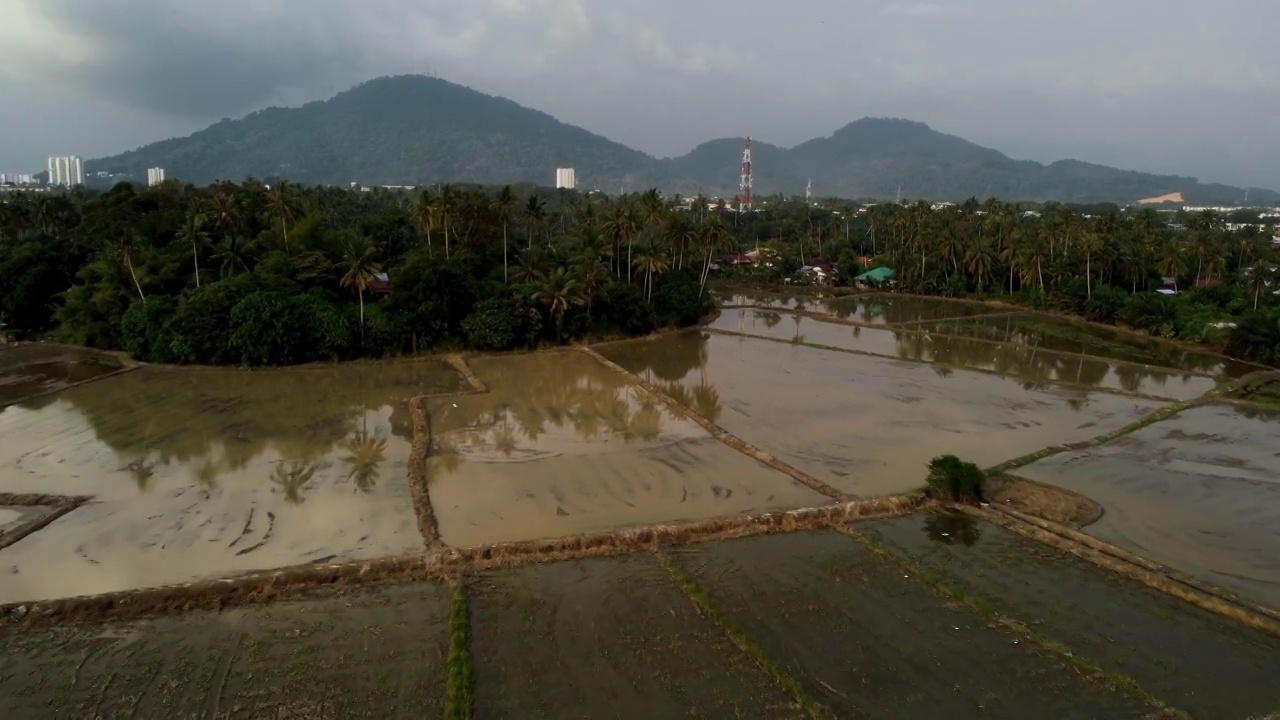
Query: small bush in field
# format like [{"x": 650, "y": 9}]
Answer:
[{"x": 951, "y": 478}]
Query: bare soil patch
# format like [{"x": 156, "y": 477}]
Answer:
[
  {"x": 371, "y": 655},
  {"x": 1191, "y": 659},
  {"x": 1043, "y": 501},
  {"x": 871, "y": 643},
  {"x": 606, "y": 638}
]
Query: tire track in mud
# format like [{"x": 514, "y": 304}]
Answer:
[{"x": 719, "y": 433}]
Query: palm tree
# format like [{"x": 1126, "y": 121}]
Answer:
[
  {"x": 559, "y": 292},
  {"x": 502, "y": 206},
  {"x": 535, "y": 212},
  {"x": 651, "y": 262},
  {"x": 425, "y": 213},
  {"x": 359, "y": 259},
  {"x": 193, "y": 233},
  {"x": 125, "y": 247},
  {"x": 282, "y": 206}
]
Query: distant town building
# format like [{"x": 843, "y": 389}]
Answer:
[
  {"x": 66, "y": 170},
  {"x": 16, "y": 179},
  {"x": 155, "y": 176},
  {"x": 565, "y": 179}
]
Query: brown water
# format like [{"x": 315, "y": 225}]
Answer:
[
  {"x": 1051, "y": 333},
  {"x": 1032, "y": 365},
  {"x": 869, "y": 309},
  {"x": 12, "y": 517},
  {"x": 868, "y": 425},
  {"x": 1199, "y": 492},
  {"x": 198, "y": 473},
  {"x": 28, "y": 370},
  {"x": 562, "y": 445}
]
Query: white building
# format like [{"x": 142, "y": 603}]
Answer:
[
  {"x": 16, "y": 178},
  {"x": 565, "y": 179},
  {"x": 155, "y": 176},
  {"x": 66, "y": 171}
]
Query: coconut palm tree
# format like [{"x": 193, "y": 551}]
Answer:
[
  {"x": 361, "y": 267},
  {"x": 502, "y": 205},
  {"x": 193, "y": 233},
  {"x": 559, "y": 292},
  {"x": 651, "y": 262},
  {"x": 282, "y": 206}
]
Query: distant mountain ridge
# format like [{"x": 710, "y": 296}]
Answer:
[{"x": 414, "y": 130}]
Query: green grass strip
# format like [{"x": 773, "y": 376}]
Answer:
[
  {"x": 745, "y": 643},
  {"x": 459, "y": 680},
  {"x": 1114, "y": 681}
]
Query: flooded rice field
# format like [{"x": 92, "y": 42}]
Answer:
[
  {"x": 562, "y": 445},
  {"x": 1032, "y": 365},
  {"x": 30, "y": 370},
  {"x": 870, "y": 309},
  {"x": 1199, "y": 492},
  {"x": 210, "y": 472},
  {"x": 866, "y": 425},
  {"x": 1061, "y": 335}
]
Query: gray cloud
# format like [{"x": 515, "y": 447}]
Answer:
[{"x": 1161, "y": 85}]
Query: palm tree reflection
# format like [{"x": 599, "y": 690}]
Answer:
[{"x": 292, "y": 479}]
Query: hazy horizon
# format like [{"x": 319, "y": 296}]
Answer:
[{"x": 1153, "y": 87}]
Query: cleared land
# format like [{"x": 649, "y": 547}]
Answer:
[
  {"x": 867, "y": 425},
  {"x": 868, "y": 641},
  {"x": 209, "y": 472},
  {"x": 373, "y": 655},
  {"x": 561, "y": 445},
  {"x": 1199, "y": 492},
  {"x": 607, "y": 638},
  {"x": 1201, "y": 663}
]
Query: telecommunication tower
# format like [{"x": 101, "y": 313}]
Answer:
[{"x": 744, "y": 183}]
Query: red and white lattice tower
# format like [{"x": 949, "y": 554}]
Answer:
[{"x": 744, "y": 183}]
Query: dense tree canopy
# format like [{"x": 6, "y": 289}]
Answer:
[
  {"x": 276, "y": 275},
  {"x": 284, "y": 274}
]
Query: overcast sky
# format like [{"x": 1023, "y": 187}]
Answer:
[{"x": 1183, "y": 86}]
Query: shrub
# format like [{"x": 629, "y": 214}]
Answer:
[
  {"x": 1148, "y": 311},
  {"x": 142, "y": 328},
  {"x": 953, "y": 479},
  {"x": 502, "y": 324}
]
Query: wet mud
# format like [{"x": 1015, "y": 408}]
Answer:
[
  {"x": 607, "y": 638},
  {"x": 29, "y": 372},
  {"x": 1032, "y": 365},
  {"x": 869, "y": 642},
  {"x": 211, "y": 472},
  {"x": 370, "y": 655},
  {"x": 1198, "y": 662},
  {"x": 562, "y": 445},
  {"x": 867, "y": 426},
  {"x": 1198, "y": 492}
]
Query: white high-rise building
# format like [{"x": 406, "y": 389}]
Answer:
[
  {"x": 155, "y": 176},
  {"x": 565, "y": 178},
  {"x": 66, "y": 170}
]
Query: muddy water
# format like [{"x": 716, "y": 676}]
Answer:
[
  {"x": 1026, "y": 363},
  {"x": 867, "y": 425},
  {"x": 27, "y": 370},
  {"x": 562, "y": 445},
  {"x": 869, "y": 309},
  {"x": 198, "y": 473},
  {"x": 1199, "y": 492},
  {"x": 1050, "y": 333}
]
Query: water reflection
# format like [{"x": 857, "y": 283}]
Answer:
[
  {"x": 1032, "y": 366},
  {"x": 869, "y": 309},
  {"x": 215, "y": 423},
  {"x": 952, "y": 529},
  {"x": 539, "y": 405}
]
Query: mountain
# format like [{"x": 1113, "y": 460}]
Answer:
[{"x": 413, "y": 130}]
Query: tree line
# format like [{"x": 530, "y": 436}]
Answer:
[{"x": 273, "y": 273}]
